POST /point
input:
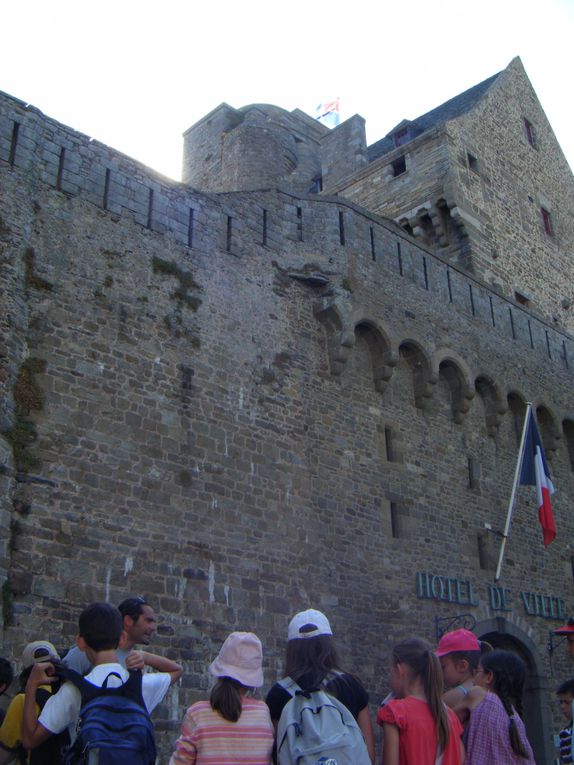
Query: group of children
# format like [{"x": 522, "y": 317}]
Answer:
[{"x": 476, "y": 721}]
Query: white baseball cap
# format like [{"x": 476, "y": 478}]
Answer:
[{"x": 315, "y": 621}]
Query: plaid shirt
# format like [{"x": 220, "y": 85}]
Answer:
[{"x": 488, "y": 740}]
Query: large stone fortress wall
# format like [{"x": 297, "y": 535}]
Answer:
[{"x": 243, "y": 403}]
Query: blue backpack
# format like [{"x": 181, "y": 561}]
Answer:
[
  {"x": 315, "y": 728},
  {"x": 114, "y": 726}
]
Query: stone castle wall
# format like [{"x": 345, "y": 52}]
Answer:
[
  {"x": 487, "y": 217},
  {"x": 244, "y": 404}
]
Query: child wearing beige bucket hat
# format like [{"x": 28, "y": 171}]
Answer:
[{"x": 232, "y": 727}]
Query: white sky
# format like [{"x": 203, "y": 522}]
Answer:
[{"x": 135, "y": 74}]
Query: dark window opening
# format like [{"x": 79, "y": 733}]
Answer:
[
  {"x": 373, "y": 251},
  {"x": 399, "y": 166},
  {"x": 401, "y": 136},
  {"x": 529, "y": 131},
  {"x": 150, "y": 209},
  {"x": 341, "y": 228},
  {"x": 316, "y": 185},
  {"x": 229, "y": 233},
  {"x": 300, "y": 224},
  {"x": 482, "y": 550},
  {"x": 107, "y": 188},
  {"x": 14, "y": 143},
  {"x": 547, "y": 221},
  {"x": 60, "y": 169},
  {"x": 408, "y": 228},
  {"x": 568, "y": 428},
  {"x": 190, "y": 224},
  {"x": 522, "y": 299},
  {"x": 472, "y": 163},
  {"x": 264, "y": 233}
]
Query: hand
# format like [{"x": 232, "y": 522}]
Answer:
[
  {"x": 42, "y": 673},
  {"x": 135, "y": 660}
]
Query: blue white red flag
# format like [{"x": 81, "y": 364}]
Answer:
[
  {"x": 328, "y": 113},
  {"x": 534, "y": 472}
]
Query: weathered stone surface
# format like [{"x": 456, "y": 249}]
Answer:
[{"x": 236, "y": 444}]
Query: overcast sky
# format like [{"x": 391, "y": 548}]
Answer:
[{"x": 135, "y": 74}]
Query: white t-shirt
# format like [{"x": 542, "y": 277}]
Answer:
[{"x": 62, "y": 709}]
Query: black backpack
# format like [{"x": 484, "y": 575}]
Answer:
[
  {"x": 53, "y": 750},
  {"x": 114, "y": 723}
]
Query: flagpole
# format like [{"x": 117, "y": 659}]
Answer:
[{"x": 513, "y": 495}]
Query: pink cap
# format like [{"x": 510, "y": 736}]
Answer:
[{"x": 457, "y": 640}]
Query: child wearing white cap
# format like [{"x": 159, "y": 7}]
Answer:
[
  {"x": 311, "y": 660},
  {"x": 232, "y": 727}
]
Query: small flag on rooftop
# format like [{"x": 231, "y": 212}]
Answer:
[{"x": 328, "y": 113}]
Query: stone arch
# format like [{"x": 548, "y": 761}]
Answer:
[
  {"x": 421, "y": 367},
  {"x": 517, "y": 407},
  {"x": 454, "y": 370},
  {"x": 549, "y": 430},
  {"x": 383, "y": 358},
  {"x": 339, "y": 330},
  {"x": 494, "y": 404},
  {"x": 503, "y": 634}
]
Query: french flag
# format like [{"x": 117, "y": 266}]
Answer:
[{"x": 534, "y": 472}]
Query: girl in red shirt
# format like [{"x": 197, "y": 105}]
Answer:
[{"x": 418, "y": 728}]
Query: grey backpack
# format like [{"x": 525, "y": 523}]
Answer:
[{"x": 315, "y": 728}]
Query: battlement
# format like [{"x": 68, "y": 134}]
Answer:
[{"x": 48, "y": 152}]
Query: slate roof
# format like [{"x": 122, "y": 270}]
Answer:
[{"x": 449, "y": 110}]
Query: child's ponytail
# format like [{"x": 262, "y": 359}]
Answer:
[{"x": 418, "y": 655}]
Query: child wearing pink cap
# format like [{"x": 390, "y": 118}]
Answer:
[
  {"x": 231, "y": 728},
  {"x": 458, "y": 652}
]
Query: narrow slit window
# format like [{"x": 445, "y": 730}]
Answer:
[
  {"x": 472, "y": 162},
  {"x": 190, "y": 226},
  {"x": 14, "y": 143},
  {"x": 150, "y": 209},
  {"x": 229, "y": 233},
  {"x": 106, "y": 189},
  {"x": 341, "y": 227},
  {"x": 264, "y": 232},
  {"x": 300, "y": 224},
  {"x": 547, "y": 221},
  {"x": 529, "y": 132},
  {"x": 60, "y": 175},
  {"x": 373, "y": 251}
]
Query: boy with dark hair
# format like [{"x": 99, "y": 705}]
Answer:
[
  {"x": 458, "y": 652},
  {"x": 565, "y": 693},
  {"x": 100, "y": 628}
]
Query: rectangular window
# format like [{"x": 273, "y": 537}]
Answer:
[
  {"x": 522, "y": 299},
  {"x": 399, "y": 166},
  {"x": 529, "y": 131},
  {"x": 401, "y": 136},
  {"x": 547, "y": 221}
]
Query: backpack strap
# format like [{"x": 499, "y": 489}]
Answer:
[
  {"x": 131, "y": 689},
  {"x": 289, "y": 685}
]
